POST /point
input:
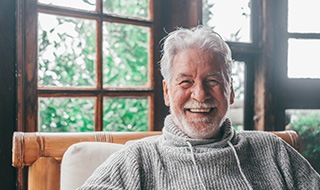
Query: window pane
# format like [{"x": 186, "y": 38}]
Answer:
[
  {"x": 125, "y": 114},
  {"x": 304, "y": 16},
  {"x": 303, "y": 58},
  {"x": 230, "y": 18},
  {"x": 307, "y": 124},
  {"x": 66, "y": 51},
  {"x": 132, "y": 8},
  {"x": 89, "y": 5},
  {"x": 238, "y": 75},
  {"x": 125, "y": 51},
  {"x": 236, "y": 112},
  {"x": 66, "y": 114}
]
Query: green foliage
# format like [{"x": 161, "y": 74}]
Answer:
[
  {"x": 126, "y": 55},
  {"x": 66, "y": 57},
  {"x": 308, "y": 126},
  {"x": 66, "y": 114},
  {"x": 124, "y": 114},
  {"x": 133, "y": 8}
]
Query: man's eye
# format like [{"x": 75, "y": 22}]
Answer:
[
  {"x": 185, "y": 83},
  {"x": 213, "y": 82}
]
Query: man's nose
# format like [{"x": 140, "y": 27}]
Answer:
[{"x": 200, "y": 93}]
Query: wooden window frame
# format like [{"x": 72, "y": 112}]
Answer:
[{"x": 290, "y": 93}]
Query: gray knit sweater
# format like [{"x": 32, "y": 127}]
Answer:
[{"x": 244, "y": 160}]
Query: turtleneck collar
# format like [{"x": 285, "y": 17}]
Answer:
[{"x": 175, "y": 136}]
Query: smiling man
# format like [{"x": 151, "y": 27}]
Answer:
[
  {"x": 199, "y": 92},
  {"x": 199, "y": 149}
]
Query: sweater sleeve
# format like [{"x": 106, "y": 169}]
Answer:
[
  {"x": 119, "y": 171},
  {"x": 296, "y": 170}
]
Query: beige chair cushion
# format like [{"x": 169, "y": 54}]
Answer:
[{"x": 81, "y": 159}]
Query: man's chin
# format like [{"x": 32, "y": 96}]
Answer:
[
  {"x": 203, "y": 128},
  {"x": 200, "y": 130},
  {"x": 202, "y": 134}
]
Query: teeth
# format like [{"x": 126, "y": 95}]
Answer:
[{"x": 200, "y": 110}]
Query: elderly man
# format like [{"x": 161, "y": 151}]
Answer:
[{"x": 199, "y": 149}]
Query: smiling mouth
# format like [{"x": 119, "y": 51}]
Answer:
[{"x": 199, "y": 110}]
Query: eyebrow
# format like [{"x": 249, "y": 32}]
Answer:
[
  {"x": 184, "y": 75},
  {"x": 215, "y": 73}
]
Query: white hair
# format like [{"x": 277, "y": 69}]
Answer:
[{"x": 199, "y": 37}]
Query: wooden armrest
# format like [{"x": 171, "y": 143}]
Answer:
[{"x": 290, "y": 136}]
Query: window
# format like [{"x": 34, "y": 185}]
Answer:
[
  {"x": 303, "y": 58},
  {"x": 233, "y": 20},
  {"x": 86, "y": 65},
  {"x": 229, "y": 18},
  {"x": 236, "y": 112},
  {"x": 304, "y": 39}
]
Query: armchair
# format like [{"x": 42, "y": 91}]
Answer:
[{"x": 42, "y": 154}]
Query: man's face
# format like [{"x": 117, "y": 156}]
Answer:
[{"x": 199, "y": 93}]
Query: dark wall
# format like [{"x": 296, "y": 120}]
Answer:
[{"x": 7, "y": 92}]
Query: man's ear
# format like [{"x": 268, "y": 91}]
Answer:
[{"x": 165, "y": 93}]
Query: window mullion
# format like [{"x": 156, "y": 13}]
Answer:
[
  {"x": 99, "y": 113},
  {"x": 30, "y": 111},
  {"x": 99, "y": 70}
]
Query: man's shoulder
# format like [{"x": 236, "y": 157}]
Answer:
[
  {"x": 258, "y": 136},
  {"x": 146, "y": 142},
  {"x": 259, "y": 141},
  {"x": 255, "y": 133},
  {"x": 138, "y": 149}
]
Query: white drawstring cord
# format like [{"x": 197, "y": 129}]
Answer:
[
  {"x": 239, "y": 166},
  {"x": 195, "y": 165}
]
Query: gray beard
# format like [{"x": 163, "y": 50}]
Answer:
[{"x": 211, "y": 130}]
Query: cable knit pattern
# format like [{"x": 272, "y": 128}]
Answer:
[{"x": 239, "y": 161}]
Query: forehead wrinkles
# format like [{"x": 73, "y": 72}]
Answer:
[
  {"x": 183, "y": 75},
  {"x": 182, "y": 60},
  {"x": 200, "y": 56}
]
